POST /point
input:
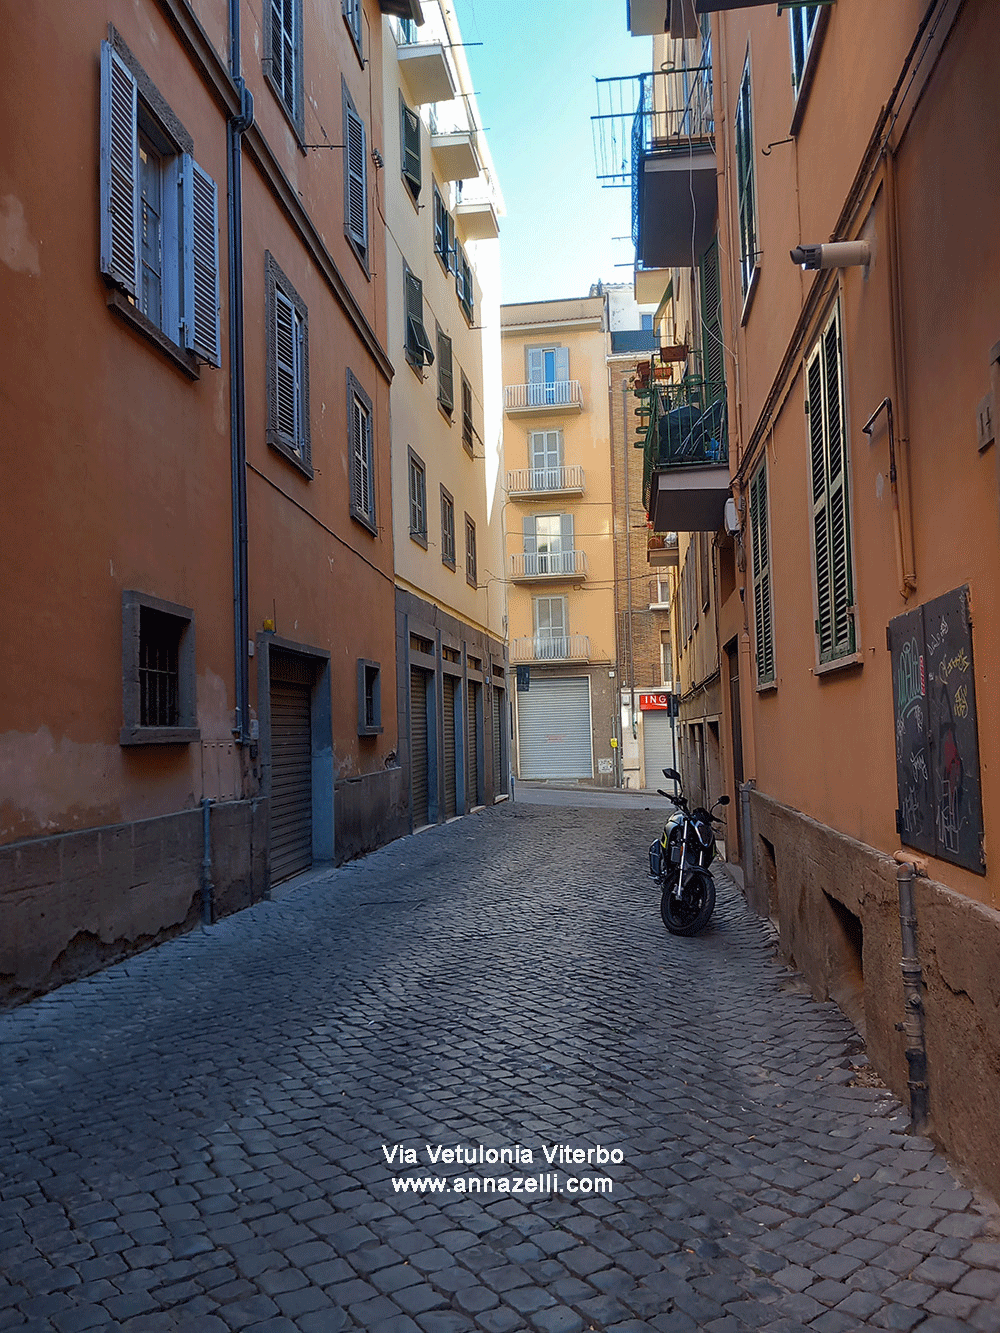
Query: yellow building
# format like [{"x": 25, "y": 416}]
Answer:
[
  {"x": 557, "y": 526},
  {"x": 442, "y": 282}
]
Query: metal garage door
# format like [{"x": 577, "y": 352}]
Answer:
[
  {"x": 291, "y": 765},
  {"x": 657, "y": 746},
  {"x": 472, "y": 764},
  {"x": 450, "y": 782},
  {"x": 418, "y": 745},
  {"x": 499, "y": 767},
  {"x": 553, "y": 727}
]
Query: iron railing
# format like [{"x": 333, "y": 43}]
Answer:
[
  {"x": 548, "y": 564},
  {"x": 550, "y": 393},
  {"x": 662, "y": 111},
  {"x": 542, "y": 480},
  {"x": 684, "y": 425},
  {"x": 551, "y": 648}
]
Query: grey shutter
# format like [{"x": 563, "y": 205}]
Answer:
[
  {"x": 446, "y": 375},
  {"x": 357, "y": 186},
  {"x": 530, "y": 537},
  {"x": 536, "y": 365},
  {"x": 449, "y": 720},
  {"x": 562, "y": 363},
  {"x": 419, "y": 785},
  {"x": 199, "y": 196},
  {"x": 286, "y": 363},
  {"x": 554, "y": 728},
  {"x": 119, "y": 172},
  {"x": 361, "y": 445},
  {"x": 417, "y": 343},
  {"x": 452, "y": 249},
  {"x": 411, "y": 148},
  {"x": 566, "y": 531}
]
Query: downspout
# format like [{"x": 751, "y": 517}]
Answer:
[
  {"x": 913, "y": 986},
  {"x": 630, "y": 648},
  {"x": 236, "y": 127},
  {"x": 206, "y": 862}
]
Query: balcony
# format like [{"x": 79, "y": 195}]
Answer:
[
  {"x": 478, "y": 219},
  {"x": 550, "y": 566},
  {"x": 456, "y": 154},
  {"x": 527, "y": 483},
  {"x": 656, "y": 133},
  {"x": 686, "y": 473},
  {"x": 552, "y": 397},
  {"x": 662, "y": 550},
  {"x": 542, "y": 648},
  {"x": 424, "y": 65}
]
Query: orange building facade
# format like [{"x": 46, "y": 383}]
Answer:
[{"x": 192, "y": 709}]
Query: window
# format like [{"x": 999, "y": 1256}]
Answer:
[
  {"x": 471, "y": 568},
  {"x": 410, "y": 147},
  {"x": 551, "y": 618},
  {"x": 746, "y": 188},
  {"x": 713, "y": 347},
  {"x": 355, "y": 179},
  {"x": 158, "y": 669},
  {"x": 418, "y": 499},
  {"x": 761, "y": 568},
  {"x": 369, "y": 698},
  {"x": 359, "y": 412},
  {"x": 287, "y": 368},
  {"x": 283, "y": 56},
  {"x": 548, "y": 544},
  {"x": 444, "y": 233},
  {"x": 463, "y": 283},
  {"x": 659, "y": 591},
  {"x": 545, "y": 449},
  {"x": 705, "y": 569},
  {"x": 352, "y": 17},
  {"x": 548, "y": 376},
  {"x": 666, "y": 658},
  {"x": 159, "y": 216},
  {"x": 407, "y": 30},
  {"x": 646, "y": 323},
  {"x": 802, "y": 20},
  {"x": 447, "y": 529},
  {"x": 418, "y": 348},
  {"x": 830, "y": 496},
  {"x": 446, "y": 373},
  {"x": 468, "y": 428}
]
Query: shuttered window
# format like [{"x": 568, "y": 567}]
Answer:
[
  {"x": 355, "y": 178},
  {"x": 802, "y": 20},
  {"x": 471, "y": 563},
  {"x": 359, "y": 425},
  {"x": 746, "y": 184},
  {"x": 283, "y": 55},
  {"x": 447, "y": 528},
  {"x": 831, "y": 519},
  {"x": 712, "y": 345},
  {"x": 444, "y": 233},
  {"x": 463, "y": 283},
  {"x": 417, "y": 345},
  {"x": 287, "y": 369},
  {"x": 352, "y": 16},
  {"x": 468, "y": 427},
  {"x": 446, "y": 373},
  {"x": 761, "y": 550},
  {"x": 418, "y": 499},
  {"x": 410, "y": 147},
  {"x": 159, "y": 217}
]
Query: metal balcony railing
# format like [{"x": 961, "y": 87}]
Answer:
[
  {"x": 554, "y": 648},
  {"x": 552, "y": 394},
  {"x": 544, "y": 480},
  {"x": 548, "y": 564},
  {"x": 684, "y": 425},
  {"x": 663, "y": 111}
]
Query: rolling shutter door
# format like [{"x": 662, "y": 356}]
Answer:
[
  {"x": 450, "y": 783},
  {"x": 291, "y": 766},
  {"x": 499, "y": 785},
  {"x": 657, "y": 746},
  {"x": 418, "y": 746},
  {"x": 554, "y": 729},
  {"x": 472, "y": 767}
]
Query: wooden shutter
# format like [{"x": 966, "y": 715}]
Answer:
[
  {"x": 285, "y": 370},
  {"x": 361, "y": 446},
  {"x": 762, "y": 577},
  {"x": 713, "y": 352},
  {"x": 357, "y": 180},
  {"x": 418, "y": 347},
  {"x": 536, "y": 365},
  {"x": 411, "y": 148},
  {"x": 831, "y": 501},
  {"x": 562, "y": 363},
  {"x": 530, "y": 542},
  {"x": 119, "y": 172},
  {"x": 446, "y": 375},
  {"x": 199, "y": 201},
  {"x": 566, "y": 534}
]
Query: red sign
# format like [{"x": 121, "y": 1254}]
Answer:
[{"x": 649, "y": 702}]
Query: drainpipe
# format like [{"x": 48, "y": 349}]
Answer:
[
  {"x": 913, "y": 985},
  {"x": 236, "y": 127},
  {"x": 749, "y": 879},
  {"x": 206, "y": 862}
]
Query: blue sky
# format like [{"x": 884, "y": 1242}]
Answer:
[{"x": 534, "y": 79}]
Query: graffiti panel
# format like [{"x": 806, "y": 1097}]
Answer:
[{"x": 915, "y": 812}]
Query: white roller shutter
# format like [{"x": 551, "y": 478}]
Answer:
[
  {"x": 657, "y": 746},
  {"x": 554, "y": 729}
]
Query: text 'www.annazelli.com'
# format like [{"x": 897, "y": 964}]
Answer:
[{"x": 548, "y": 1182}]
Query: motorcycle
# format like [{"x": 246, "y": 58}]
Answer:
[{"x": 679, "y": 861}]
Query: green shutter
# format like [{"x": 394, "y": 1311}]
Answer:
[
  {"x": 831, "y": 498},
  {"x": 762, "y": 577},
  {"x": 713, "y": 349},
  {"x": 411, "y": 148}
]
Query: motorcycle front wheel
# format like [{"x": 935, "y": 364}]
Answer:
[{"x": 689, "y": 913}]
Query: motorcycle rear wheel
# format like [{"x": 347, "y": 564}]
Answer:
[{"x": 692, "y": 911}]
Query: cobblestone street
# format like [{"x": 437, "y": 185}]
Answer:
[{"x": 194, "y": 1139}]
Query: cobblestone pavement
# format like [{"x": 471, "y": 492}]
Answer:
[{"x": 194, "y": 1139}]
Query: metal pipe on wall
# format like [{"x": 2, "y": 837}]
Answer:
[
  {"x": 913, "y": 986},
  {"x": 206, "y": 862}
]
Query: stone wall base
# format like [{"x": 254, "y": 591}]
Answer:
[
  {"x": 370, "y": 810},
  {"x": 76, "y": 902},
  {"x": 836, "y": 905}
]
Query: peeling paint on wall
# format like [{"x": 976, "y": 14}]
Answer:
[{"x": 17, "y": 250}]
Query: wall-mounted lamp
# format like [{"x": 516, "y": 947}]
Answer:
[{"x": 835, "y": 254}]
